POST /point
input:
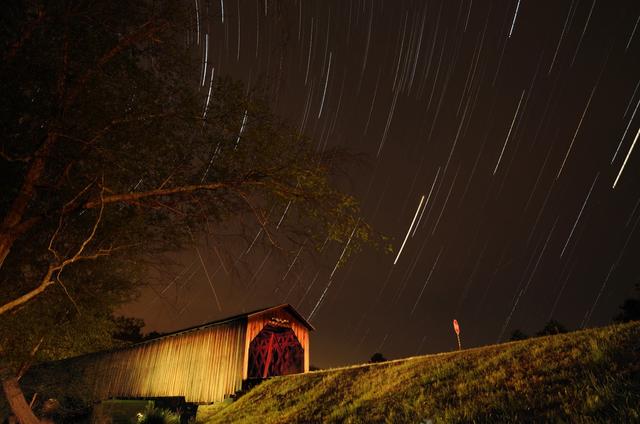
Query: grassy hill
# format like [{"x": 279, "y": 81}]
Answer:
[{"x": 586, "y": 376}]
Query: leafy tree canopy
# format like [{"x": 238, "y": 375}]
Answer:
[
  {"x": 128, "y": 330},
  {"x": 116, "y": 150}
]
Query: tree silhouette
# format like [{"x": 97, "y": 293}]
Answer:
[
  {"x": 552, "y": 327},
  {"x": 517, "y": 334},
  {"x": 630, "y": 309},
  {"x": 377, "y": 357}
]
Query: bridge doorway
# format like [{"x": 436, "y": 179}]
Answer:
[{"x": 275, "y": 351}]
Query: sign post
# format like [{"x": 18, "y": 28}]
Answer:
[{"x": 456, "y": 328}]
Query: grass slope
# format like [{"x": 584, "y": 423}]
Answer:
[{"x": 586, "y": 376}]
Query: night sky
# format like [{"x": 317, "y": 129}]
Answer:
[{"x": 500, "y": 141}]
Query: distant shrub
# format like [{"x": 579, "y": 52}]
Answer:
[
  {"x": 630, "y": 309},
  {"x": 518, "y": 335},
  {"x": 152, "y": 415},
  {"x": 552, "y": 327},
  {"x": 377, "y": 357}
]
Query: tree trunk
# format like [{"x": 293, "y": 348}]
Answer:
[
  {"x": 17, "y": 402},
  {"x": 15, "y": 213},
  {"x": 7, "y": 238}
]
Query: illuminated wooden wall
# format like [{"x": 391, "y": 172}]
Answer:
[{"x": 204, "y": 364}]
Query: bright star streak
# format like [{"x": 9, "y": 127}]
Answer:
[
  {"x": 315, "y": 308},
  {"x": 326, "y": 82},
  {"x": 426, "y": 203},
  {"x": 625, "y": 131},
  {"x": 426, "y": 281},
  {"x": 515, "y": 15},
  {"x": 409, "y": 230},
  {"x": 345, "y": 249},
  {"x": 580, "y": 214},
  {"x": 584, "y": 112},
  {"x": 625, "y": 159},
  {"x": 509, "y": 133}
]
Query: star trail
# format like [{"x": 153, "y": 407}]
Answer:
[{"x": 500, "y": 143}]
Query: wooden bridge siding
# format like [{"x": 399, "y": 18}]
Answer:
[
  {"x": 256, "y": 324},
  {"x": 204, "y": 366}
]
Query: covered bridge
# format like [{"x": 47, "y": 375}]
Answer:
[{"x": 203, "y": 364}]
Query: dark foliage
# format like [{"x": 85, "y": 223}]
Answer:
[
  {"x": 152, "y": 415},
  {"x": 128, "y": 329},
  {"x": 552, "y": 327},
  {"x": 518, "y": 335},
  {"x": 630, "y": 309},
  {"x": 377, "y": 357}
]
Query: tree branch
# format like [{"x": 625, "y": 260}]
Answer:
[
  {"x": 25, "y": 35},
  {"x": 145, "y": 31},
  {"x": 116, "y": 122},
  {"x": 44, "y": 283},
  {"x": 48, "y": 279},
  {"x": 27, "y": 364},
  {"x": 130, "y": 197},
  {"x": 9, "y": 158},
  {"x": 259, "y": 218},
  {"x": 68, "y": 206}
]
